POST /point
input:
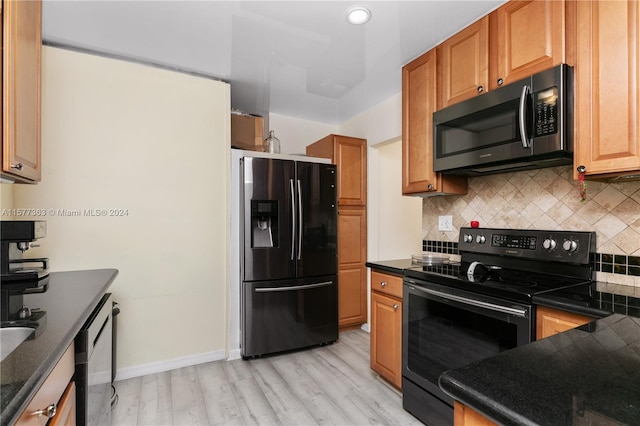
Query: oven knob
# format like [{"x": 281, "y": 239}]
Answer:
[
  {"x": 468, "y": 238},
  {"x": 549, "y": 244},
  {"x": 480, "y": 239},
  {"x": 570, "y": 246}
]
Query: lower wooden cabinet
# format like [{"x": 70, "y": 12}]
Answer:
[
  {"x": 352, "y": 297},
  {"x": 465, "y": 416},
  {"x": 352, "y": 273},
  {"x": 66, "y": 414},
  {"x": 386, "y": 326},
  {"x": 551, "y": 321},
  {"x": 52, "y": 399}
]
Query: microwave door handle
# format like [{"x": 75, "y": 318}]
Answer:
[{"x": 526, "y": 142}]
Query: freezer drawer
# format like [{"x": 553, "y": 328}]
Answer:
[{"x": 290, "y": 314}]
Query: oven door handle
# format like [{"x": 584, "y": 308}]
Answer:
[
  {"x": 292, "y": 288},
  {"x": 479, "y": 303}
]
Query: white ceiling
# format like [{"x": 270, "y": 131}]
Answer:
[{"x": 296, "y": 58}]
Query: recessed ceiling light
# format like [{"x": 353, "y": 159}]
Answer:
[{"x": 358, "y": 15}]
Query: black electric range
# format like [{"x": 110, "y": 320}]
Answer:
[
  {"x": 517, "y": 264},
  {"x": 456, "y": 314}
]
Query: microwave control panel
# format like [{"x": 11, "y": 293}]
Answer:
[{"x": 546, "y": 111}]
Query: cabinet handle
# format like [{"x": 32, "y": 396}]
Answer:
[
  {"x": 581, "y": 169},
  {"x": 383, "y": 284},
  {"x": 500, "y": 81},
  {"x": 430, "y": 187},
  {"x": 395, "y": 306},
  {"x": 18, "y": 166},
  {"x": 480, "y": 89},
  {"x": 49, "y": 412}
]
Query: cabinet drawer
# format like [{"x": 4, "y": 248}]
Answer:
[
  {"x": 50, "y": 392},
  {"x": 387, "y": 284}
]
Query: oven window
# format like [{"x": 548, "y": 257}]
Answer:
[{"x": 442, "y": 337}]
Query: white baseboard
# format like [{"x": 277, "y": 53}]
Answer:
[
  {"x": 365, "y": 327},
  {"x": 170, "y": 364},
  {"x": 234, "y": 354}
]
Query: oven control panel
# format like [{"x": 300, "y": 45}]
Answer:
[
  {"x": 560, "y": 246},
  {"x": 514, "y": 241}
]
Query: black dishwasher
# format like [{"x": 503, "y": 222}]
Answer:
[{"x": 93, "y": 366}]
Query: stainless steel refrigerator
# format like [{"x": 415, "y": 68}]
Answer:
[{"x": 289, "y": 267}]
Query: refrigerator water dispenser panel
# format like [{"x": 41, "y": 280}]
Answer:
[{"x": 264, "y": 223}]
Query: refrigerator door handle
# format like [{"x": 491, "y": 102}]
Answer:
[
  {"x": 293, "y": 218},
  {"x": 293, "y": 288},
  {"x": 299, "y": 219}
]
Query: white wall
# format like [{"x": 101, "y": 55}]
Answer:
[
  {"x": 394, "y": 222},
  {"x": 6, "y": 199},
  {"x": 295, "y": 133},
  {"x": 399, "y": 217},
  {"x": 380, "y": 123},
  {"x": 119, "y": 135}
]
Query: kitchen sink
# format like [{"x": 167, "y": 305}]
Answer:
[{"x": 11, "y": 338}]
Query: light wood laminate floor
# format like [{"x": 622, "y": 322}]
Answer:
[{"x": 329, "y": 385}]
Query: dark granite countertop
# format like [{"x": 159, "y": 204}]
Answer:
[
  {"x": 587, "y": 373},
  {"x": 396, "y": 266},
  {"x": 607, "y": 299},
  {"x": 68, "y": 302}
]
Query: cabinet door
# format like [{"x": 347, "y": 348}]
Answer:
[
  {"x": 66, "y": 414},
  {"x": 22, "y": 43},
  {"x": 527, "y": 37},
  {"x": 607, "y": 138},
  {"x": 418, "y": 104},
  {"x": 386, "y": 337},
  {"x": 466, "y": 416},
  {"x": 50, "y": 392},
  {"x": 352, "y": 280},
  {"x": 350, "y": 156},
  {"x": 463, "y": 62},
  {"x": 552, "y": 321}
]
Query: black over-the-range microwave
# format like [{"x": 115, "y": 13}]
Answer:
[{"x": 524, "y": 125}]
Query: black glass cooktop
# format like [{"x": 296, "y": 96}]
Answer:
[{"x": 502, "y": 282}]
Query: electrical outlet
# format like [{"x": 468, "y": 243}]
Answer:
[{"x": 445, "y": 223}]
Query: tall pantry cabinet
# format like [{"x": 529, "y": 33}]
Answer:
[{"x": 350, "y": 156}]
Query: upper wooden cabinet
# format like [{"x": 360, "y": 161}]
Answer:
[
  {"x": 607, "y": 88},
  {"x": 463, "y": 64},
  {"x": 515, "y": 41},
  {"x": 21, "y": 64},
  {"x": 350, "y": 156},
  {"x": 526, "y": 37},
  {"x": 419, "y": 96}
]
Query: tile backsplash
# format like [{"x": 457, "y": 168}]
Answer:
[{"x": 547, "y": 199}]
